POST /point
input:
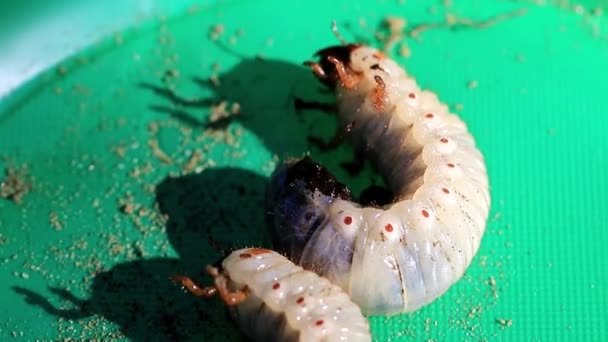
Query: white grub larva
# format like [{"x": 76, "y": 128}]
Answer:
[
  {"x": 402, "y": 253},
  {"x": 272, "y": 299}
]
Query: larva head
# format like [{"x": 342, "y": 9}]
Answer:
[
  {"x": 297, "y": 200},
  {"x": 334, "y": 61},
  {"x": 347, "y": 65}
]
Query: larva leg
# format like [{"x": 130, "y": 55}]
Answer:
[
  {"x": 316, "y": 69},
  {"x": 220, "y": 288},
  {"x": 347, "y": 80},
  {"x": 193, "y": 288},
  {"x": 221, "y": 284}
]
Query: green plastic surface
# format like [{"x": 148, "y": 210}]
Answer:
[{"x": 126, "y": 184}]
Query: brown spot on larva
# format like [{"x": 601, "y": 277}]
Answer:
[
  {"x": 348, "y": 220},
  {"x": 425, "y": 213},
  {"x": 451, "y": 165},
  {"x": 379, "y": 94},
  {"x": 379, "y": 55},
  {"x": 258, "y": 251},
  {"x": 245, "y": 255},
  {"x": 445, "y": 190},
  {"x": 319, "y": 322},
  {"x": 412, "y": 95},
  {"x": 444, "y": 140},
  {"x": 429, "y": 116},
  {"x": 388, "y": 228},
  {"x": 300, "y": 300},
  {"x": 276, "y": 286}
]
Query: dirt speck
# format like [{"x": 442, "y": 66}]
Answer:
[
  {"x": 195, "y": 159},
  {"x": 62, "y": 70},
  {"x": 55, "y": 221},
  {"x": 216, "y": 31},
  {"x": 158, "y": 152},
  {"x": 16, "y": 184},
  {"x": 504, "y": 323},
  {"x": 404, "y": 50},
  {"x": 214, "y": 80},
  {"x": 220, "y": 113},
  {"x": 492, "y": 283},
  {"x": 127, "y": 208},
  {"x": 398, "y": 28}
]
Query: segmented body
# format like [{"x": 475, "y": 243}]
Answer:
[
  {"x": 403, "y": 255},
  {"x": 272, "y": 299}
]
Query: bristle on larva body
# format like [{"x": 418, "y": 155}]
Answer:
[
  {"x": 272, "y": 299},
  {"x": 400, "y": 256}
]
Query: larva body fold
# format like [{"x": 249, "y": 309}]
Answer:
[{"x": 403, "y": 255}]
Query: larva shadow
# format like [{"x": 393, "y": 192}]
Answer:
[
  {"x": 208, "y": 215},
  {"x": 213, "y": 212},
  {"x": 266, "y": 91},
  {"x": 139, "y": 297}
]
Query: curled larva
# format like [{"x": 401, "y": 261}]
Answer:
[
  {"x": 399, "y": 255},
  {"x": 271, "y": 299}
]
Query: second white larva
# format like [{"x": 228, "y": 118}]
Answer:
[
  {"x": 400, "y": 256},
  {"x": 272, "y": 299}
]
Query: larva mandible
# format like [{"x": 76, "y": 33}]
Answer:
[
  {"x": 402, "y": 255},
  {"x": 272, "y": 299}
]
